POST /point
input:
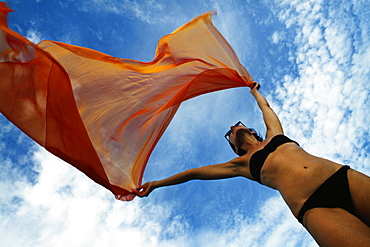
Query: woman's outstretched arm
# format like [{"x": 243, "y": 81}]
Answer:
[
  {"x": 271, "y": 120},
  {"x": 219, "y": 171}
]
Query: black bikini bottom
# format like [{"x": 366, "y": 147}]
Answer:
[{"x": 333, "y": 193}]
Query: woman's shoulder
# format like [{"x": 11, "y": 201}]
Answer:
[{"x": 272, "y": 133}]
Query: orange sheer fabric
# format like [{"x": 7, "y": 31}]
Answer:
[{"x": 104, "y": 115}]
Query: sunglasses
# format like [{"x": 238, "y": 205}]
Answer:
[
  {"x": 227, "y": 135},
  {"x": 240, "y": 151}
]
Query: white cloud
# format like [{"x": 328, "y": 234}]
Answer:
[
  {"x": 330, "y": 87},
  {"x": 34, "y": 36},
  {"x": 66, "y": 208},
  {"x": 273, "y": 226},
  {"x": 275, "y": 37},
  {"x": 152, "y": 12}
]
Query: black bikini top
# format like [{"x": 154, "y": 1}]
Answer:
[{"x": 258, "y": 158}]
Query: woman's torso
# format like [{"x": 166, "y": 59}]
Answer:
[{"x": 292, "y": 171}]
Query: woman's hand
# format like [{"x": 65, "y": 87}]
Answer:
[
  {"x": 256, "y": 86},
  {"x": 145, "y": 189}
]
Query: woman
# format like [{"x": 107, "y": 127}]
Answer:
[{"x": 332, "y": 201}]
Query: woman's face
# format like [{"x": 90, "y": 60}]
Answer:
[
  {"x": 235, "y": 132},
  {"x": 239, "y": 135}
]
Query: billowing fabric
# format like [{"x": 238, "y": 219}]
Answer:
[{"x": 104, "y": 115}]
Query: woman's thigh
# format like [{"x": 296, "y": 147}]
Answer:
[
  {"x": 359, "y": 185},
  {"x": 336, "y": 227}
]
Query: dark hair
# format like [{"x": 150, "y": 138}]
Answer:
[{"x": 241, "y": 152}]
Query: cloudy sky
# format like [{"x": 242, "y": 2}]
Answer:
[{"x": 312, "y": 59}]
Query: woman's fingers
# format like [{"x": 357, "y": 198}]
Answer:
[
  {"x": 256, "y": 86},
  {"x": 142, "y": 190}
]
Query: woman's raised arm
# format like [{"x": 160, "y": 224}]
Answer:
[{"x": 271, "y": 120}]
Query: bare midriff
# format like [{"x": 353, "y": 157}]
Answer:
[{"x": 296, "y": 174}]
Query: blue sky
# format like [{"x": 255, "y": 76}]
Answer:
[{"x": 311, "y": 58}]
